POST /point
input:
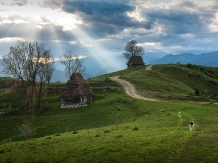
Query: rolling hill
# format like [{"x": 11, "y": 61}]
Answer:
[
  {"x": 171, "y": 81},
  {"x": 115, "y": 127}
]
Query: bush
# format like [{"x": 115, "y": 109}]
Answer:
[
  {"x": 190, "y": 66},
  {"x": 197, "y": 92}
]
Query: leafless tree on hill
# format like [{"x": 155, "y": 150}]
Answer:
[{"x": 72, "y": 63}]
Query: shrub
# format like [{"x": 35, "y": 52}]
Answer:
[
  {"x": 190, "y": 65},
  {"x": 197, "y": 92}
]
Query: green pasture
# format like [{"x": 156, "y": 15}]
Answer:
[{"x": 115, "y": 127}]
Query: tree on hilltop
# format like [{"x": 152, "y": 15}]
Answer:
[{"x": 132, "y": 49}]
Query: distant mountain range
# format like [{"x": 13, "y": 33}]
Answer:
[
  {"x": 94, "y": 68},
  {"x": 206, "y": 59}
]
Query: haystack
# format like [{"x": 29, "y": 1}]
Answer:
[
  {"x": 135, "y": 61},
  {"x": 76, "y": 90}
]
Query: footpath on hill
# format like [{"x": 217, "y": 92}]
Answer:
[{"x": 130, "y": 89}]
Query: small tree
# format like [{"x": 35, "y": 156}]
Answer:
[
  {"x": 132, "y": 49},
  {"x": 72, "y": 62},
  {"x": 25, "y": 64}
]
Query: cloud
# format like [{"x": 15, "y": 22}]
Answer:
[
  {"x": 156, "y": 25},
  {"x": 14, "y": 2},
  {"x": 20, "y": 2},
  {"x": 180, "y": 22},
  {"x": 53, "y": 4},
  {"x": 187, "y": 4}
]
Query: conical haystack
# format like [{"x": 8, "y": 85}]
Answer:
[
  {"x": 76, "y": 90},
  {"x": 135, "y": 61}
]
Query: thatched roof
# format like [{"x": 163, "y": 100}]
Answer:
[
  {"x": 135, "y": 60},
  {"x": 75, "y": 87}
]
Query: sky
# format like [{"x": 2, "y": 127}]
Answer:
[{"x": 101, "y": 28}]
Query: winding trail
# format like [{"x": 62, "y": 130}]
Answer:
[{"x": 130, "y": 89}]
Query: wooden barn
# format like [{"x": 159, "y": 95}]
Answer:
[
  {"x": 135, "y": 61},
  {"x": 76, "y": 91}
]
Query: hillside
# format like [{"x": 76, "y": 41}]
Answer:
[
  {"x": 202, "y": 78},
  {"x": 172, "y": 82},
  {"x": 115, "y": 127}
]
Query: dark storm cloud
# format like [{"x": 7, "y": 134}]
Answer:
[
  {"x": 104, "y": 18},
  {"x": 100, "y": 12},
  {"x": 96, "y": 8},
  {"x": 180, "y": 22}
]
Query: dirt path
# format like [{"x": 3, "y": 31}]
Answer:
[{"x": 130, "y": 89}]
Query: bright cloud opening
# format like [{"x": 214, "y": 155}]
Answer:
[
  {"x": 11, "y": 39},
  {"x": 39, "y": 15}
]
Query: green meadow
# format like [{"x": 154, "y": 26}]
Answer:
[{"x": 117, "y": 128}]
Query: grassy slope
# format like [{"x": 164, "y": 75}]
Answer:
[
  {"x": 153, "y": 83},
  {"x": 197, "y": 77},
  {"x": 105, "y": 129},
  {"x": 171, "y": 82}
]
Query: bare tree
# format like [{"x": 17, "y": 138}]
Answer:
[
  {"x": 132, "y": 49},
  {"x": 47, "y": 69},
  {"x": 24, "y": 63},
  {"x": 72, "y": 62},
  {"x": 45, "y": 74}
]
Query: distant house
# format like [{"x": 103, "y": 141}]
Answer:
[
  {"x": 135, "y": 61},
  {"x": 76, "y": 91}
]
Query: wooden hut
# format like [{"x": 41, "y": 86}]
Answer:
[
  {"x": 135, "y": 61},
  {"x": 76, "y": 91}
]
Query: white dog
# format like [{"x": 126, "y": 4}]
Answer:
[{"x": 191, "y": 125}]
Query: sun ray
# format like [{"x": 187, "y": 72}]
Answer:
[
  {"x": 50, "y": 19},
  {"x": 105, "y": 57}
]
